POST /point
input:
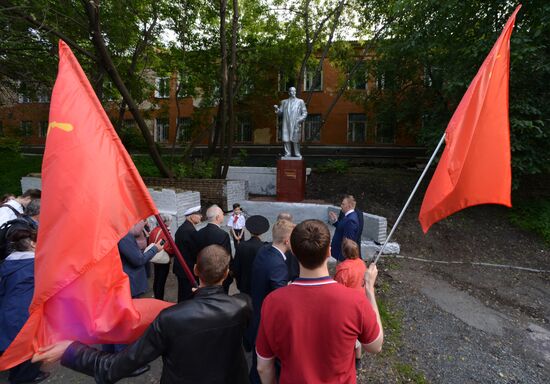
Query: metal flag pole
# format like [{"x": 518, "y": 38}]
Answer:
[
  {"x": 179, "y": 257},
  {"x": 410, "y": 197}
]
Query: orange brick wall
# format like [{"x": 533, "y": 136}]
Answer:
[{"x": 334, "y": 132}]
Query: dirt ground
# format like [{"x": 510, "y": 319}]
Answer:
[
  {"x": 444, "y": 323},
  {"x": 453, "y": 323}
]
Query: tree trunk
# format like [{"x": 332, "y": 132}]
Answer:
[
  {"x": 92, "y": 11},
  {"x": 231, "y": 87},
  {"x": 222, "y": 106}
]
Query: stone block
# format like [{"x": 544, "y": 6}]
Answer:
[
  {"x": 374, "y": 227},
  {"x": 261, "y": 180},
  {"x": 30, "y": 182},
  {"x": 369, "y": 249}
]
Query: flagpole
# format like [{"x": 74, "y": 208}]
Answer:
[
  {"x": 410, "y": 197},
  {"x": 177, "y": 251}
]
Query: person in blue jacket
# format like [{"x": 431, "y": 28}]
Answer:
[
  {"x": 346, "y": 227},
  {"x": 16, "y": 291},
  {"x": 134, "y": 260}
]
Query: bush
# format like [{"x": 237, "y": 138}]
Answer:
[
  {"x": 132, "y": 139},
  {"x": 339, "y": 166},
  {"x": 145, "y": 166},
  {"x": 10, "y": 144},
  {"x": 14, "y": 166},
  {"x": 198, "y": 169},
  {"x": 533, "y": 216}
]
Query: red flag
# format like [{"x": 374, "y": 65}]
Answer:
[
  {"x": 475, "y": 165},
  {"x": 92, "y": 195}
]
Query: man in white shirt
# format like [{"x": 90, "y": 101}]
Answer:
[{"x": 16, "y": 207}]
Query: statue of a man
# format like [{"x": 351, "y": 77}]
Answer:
[{"x": 293, "y": 112}]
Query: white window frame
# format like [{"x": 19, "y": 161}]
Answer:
[
  {"x": 182, "y": 126},
  {"x": 158, "y": 93},
  {"x": 308, "y": 79},
  {"x": 307, "y": 127},
  {"x": 26, "y": 130},
  {"x": 160, "y": 129},
  {"x": 43, "y": 128},
  {"x": 242, "y": 122},
  {"x": 351, "y": 126}
]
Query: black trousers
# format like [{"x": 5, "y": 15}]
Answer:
[
  {"x": 24, "y": 372},
  {"x": 159, "y": 281},
  {"x": 184, "y": 289}
]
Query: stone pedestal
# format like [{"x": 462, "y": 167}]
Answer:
[{"x": 291, "y": 179}]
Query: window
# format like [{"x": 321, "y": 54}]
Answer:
[
  {"x": 385, "y": 133},
  {"x": 23, "y": 96},
  {"x": 43, "y": 128},
  {"x": 243, "y": 130},
  {"x": 312, "y": 129},
  {"x": 184, "y": 129},
  {"x": 313, "y": 81},
  {"x": 357, "y": 127},
  {"x": 286, "y": 81},
  {"x": 26, "y": 128},
  {"x": 161, "y": 130},
  {"x": 162, "y": 90},
  {"x": 358, "y": 79}
]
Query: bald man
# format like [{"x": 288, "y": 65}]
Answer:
[{"x": 213, "y": 234}]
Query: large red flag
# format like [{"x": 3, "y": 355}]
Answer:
[
  {"x": 475, "y": 165},
  {"x": 92, "y": 195}
]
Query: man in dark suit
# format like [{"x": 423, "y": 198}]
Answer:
[
  {"x": 360, "y": 222},
  {"x": 186, "y": 246},
  {"x": 269, "y": 272},
  {"x": 346, "y": 227},
  {"x": 291, "y": 260},
  {"x": 213, "y": 234},
  {"x": 245, "y": 252}
]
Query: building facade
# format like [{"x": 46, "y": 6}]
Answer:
[{"x": 172, "y": 120}]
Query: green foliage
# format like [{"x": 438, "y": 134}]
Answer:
[
  {"x": 10, "y": 144},
  {"x": 198, "y": 169},
  {"x": 14, "y": 166},
  {"x": 132, "y": 139},
  {"x": 533, "y": 216},
  {"x": 339, "y": 166},
  {"x": 145, "y": 166},
  {"x": 240, "y": 159},
  {"x": 447, "y": 42}
]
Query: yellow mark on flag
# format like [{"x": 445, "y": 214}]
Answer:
[{"x": 63, "y": 126}]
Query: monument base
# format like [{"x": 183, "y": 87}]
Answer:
[{"x": 291, "y": 179}]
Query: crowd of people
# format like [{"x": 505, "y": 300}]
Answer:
[{"x": 298, "y": 324}]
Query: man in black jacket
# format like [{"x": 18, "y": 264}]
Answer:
[
  {"x": 213, "y": 234},
  {"x": 245, "y": 252},
  {"x": 185, "y": 243},
  {"x": 199, "y": 339}
]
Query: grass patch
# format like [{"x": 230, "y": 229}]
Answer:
[
  {"x": 391, "y": 322},
  {"x": 533, "y": 216},
  {"x": 13, "y": 166},
  {"x": 408, "y": 374}
]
